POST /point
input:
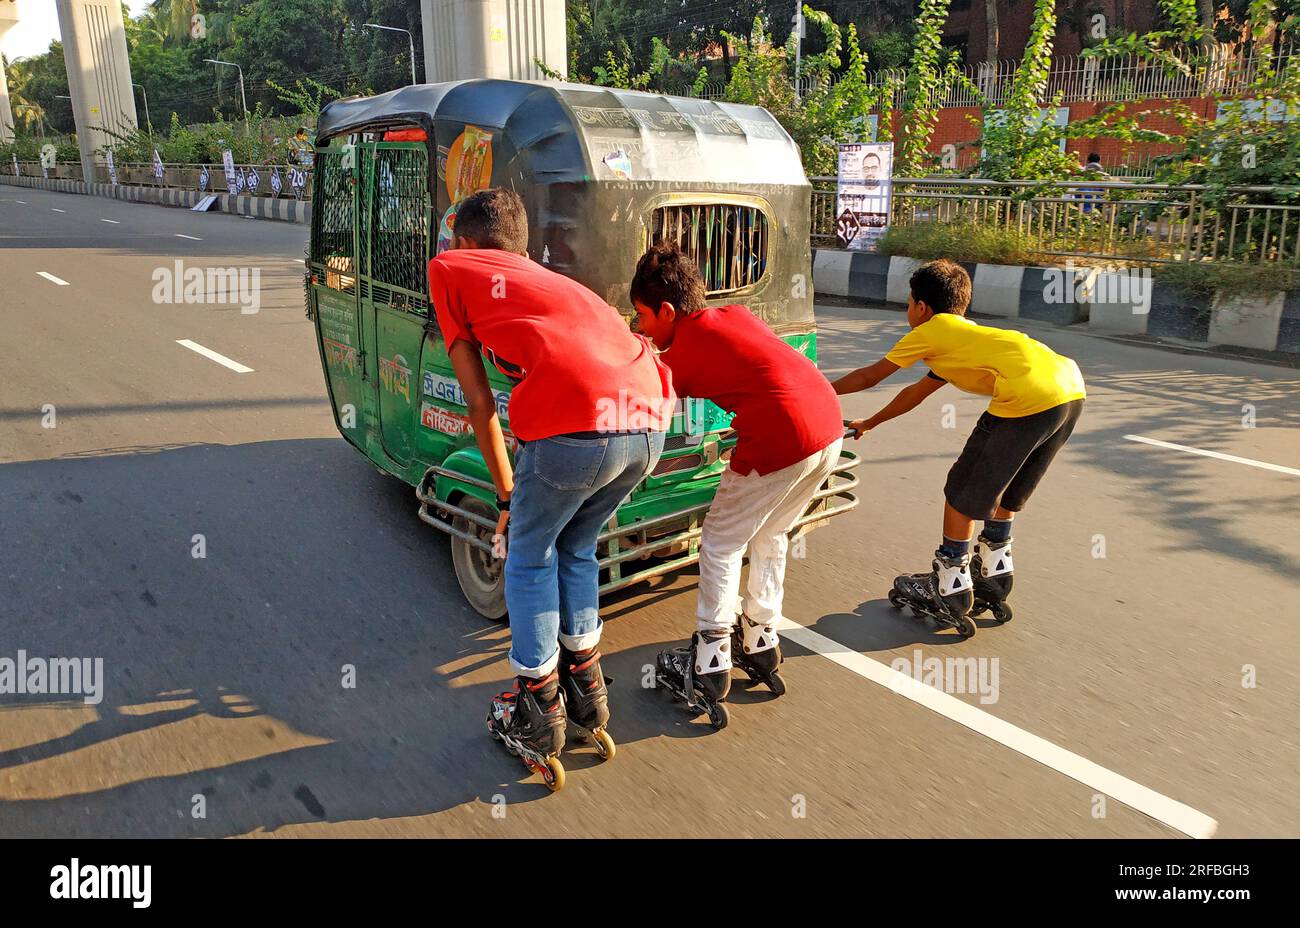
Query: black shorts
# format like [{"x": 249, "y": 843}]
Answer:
[{"x": 1005, "y": 458}]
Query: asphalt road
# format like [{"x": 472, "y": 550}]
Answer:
[{"x": 1120, "y": 707}]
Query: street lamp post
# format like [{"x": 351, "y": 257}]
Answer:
[
  {"x": 230, "y": 64},
  {"x": 409, "y": 38},
  {"x": 144, "y": 93}
]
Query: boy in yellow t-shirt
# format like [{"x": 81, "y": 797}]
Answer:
[{"x": 1037, "y": 397}]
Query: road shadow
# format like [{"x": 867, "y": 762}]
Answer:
[{"x": 315, "y": 569}]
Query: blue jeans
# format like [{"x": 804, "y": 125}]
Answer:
[{"x": 565, "y": 491}]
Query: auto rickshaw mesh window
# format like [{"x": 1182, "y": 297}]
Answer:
[
  {"x": 332, "y": 219},
  {"x": 729, "y": 243},
  {"x": 399, "y": 228}
]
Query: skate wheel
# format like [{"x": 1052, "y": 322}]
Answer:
[
  {"x": 604, "y": 744},
  {"x": 965, "y": 627},
  {"x": 719, "y": 716},
  {"x": 552, "y": 773},
  {"x": 776, "y": 684},
  {"x": 1002, "y": 613},
  {"x": 896, "y": 600}
]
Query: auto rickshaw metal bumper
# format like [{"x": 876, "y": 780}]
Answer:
[{"x": 619, "y": 545}]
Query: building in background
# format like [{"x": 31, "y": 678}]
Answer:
[{"x": 967, "y": 29}]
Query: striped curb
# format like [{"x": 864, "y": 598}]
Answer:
[
  {"x": 1101, "y": 299},
  {"x": 285, "y": 209}
]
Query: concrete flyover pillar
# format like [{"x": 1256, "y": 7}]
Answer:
[
  {"x": 99, "y": 74},
  {"x": 493, "y": 38},
  {"x": 8, "y": 19}
]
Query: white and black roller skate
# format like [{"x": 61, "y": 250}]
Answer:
[
  {"x": 529, "y": 720},
  {"x": 699, "y": 675},
  {"x": 586, "y": 697},
  {"x": 756, "y": 649},
  {"x": 944, "y": 595},
  {"x": 993, "y": 574}
]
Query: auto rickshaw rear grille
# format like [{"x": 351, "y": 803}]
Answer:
[{"x": 728, "y": 242}]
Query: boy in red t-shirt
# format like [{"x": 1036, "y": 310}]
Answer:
[
  {"x": 789, "y": 428},
  {"x": 572, "y": 358}
]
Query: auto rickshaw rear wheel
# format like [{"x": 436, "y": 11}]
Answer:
[{"x": 481, "y": 575}]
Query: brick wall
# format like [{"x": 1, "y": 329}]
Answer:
[{"x": 959, "y": 126}]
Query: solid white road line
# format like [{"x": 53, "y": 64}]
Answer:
[
  {"x": 1147, "y": 801},
  {"x": 213, "y": 356},
  {"x": 192, "y": 238},
  {"x": 113, "y": 221},
  {"x": 52, "y": 279},
  {"x": 1295, "y": 472}
]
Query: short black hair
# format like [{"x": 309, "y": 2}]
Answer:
[
  {"x": 666, "y": 274},
  {"x": 942, "y": 285},
  {"x": 493, "y": 218},
  {"x": 1093, "y": 156}
]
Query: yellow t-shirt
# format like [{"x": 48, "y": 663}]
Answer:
[{"x": 1023, "y": 376}]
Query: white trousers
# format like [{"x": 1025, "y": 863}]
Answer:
[{"x": 754, "y": 513}]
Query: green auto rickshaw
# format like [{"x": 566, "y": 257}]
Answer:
[{"x": 603, "y": 173}]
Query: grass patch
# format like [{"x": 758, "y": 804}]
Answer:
[
  {"x": 1204, "y": 278},
  {"x": 961, "y": 241}
]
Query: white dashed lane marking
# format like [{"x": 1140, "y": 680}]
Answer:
[
  {"x": 113, "y": 221},
  {"x": 213, "y": 356},
  {"x": 192, "y": 238},
  {"x": 52, "y": 279},
  {"x": 1295, "y": 472}
]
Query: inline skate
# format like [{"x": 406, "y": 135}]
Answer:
[
  {"x": 529, "y": 720},
  {"x": 586, "y": 698},
  {"x": 756, "y": 649},
  {"x": 699, "y": 675},
  {"x": 944, "y": 595},
  {"x": 992, "y": 572}
]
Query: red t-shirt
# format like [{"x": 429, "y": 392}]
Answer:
[
  {"x": 785, "y": 408},
  {"x": 577, "y": 365}
]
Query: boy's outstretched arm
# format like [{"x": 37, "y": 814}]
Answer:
[
  {"x": 905, "y": 400},
  {"x": 864, "y": 378}
]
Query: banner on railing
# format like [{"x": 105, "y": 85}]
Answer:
[
  {"x": 205, "y": 178},
  {"x": 254, "y": 180},
  {"x": 112, "y": 167},
  {"x": 228, "y": 162},
  {"x": 862, "y": 194},
  {"x": 157, "y": 165},
  {"x": 276, "y": 183}
]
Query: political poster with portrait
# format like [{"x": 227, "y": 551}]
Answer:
[
  {"x": 863, "y": 194},
  {"x": 228, "y": 163}
]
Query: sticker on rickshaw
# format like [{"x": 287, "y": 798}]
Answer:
[
  {"x": 469, "y": 163},
  {"x": 340, "y": 355},
  {"x": 619, "y": 162},
  {"x": 448, "y": 390},
  {"x": 395, "y": 376},
  {"x": 440, "y": 420},
  {"x": 447, "y": 228}
]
